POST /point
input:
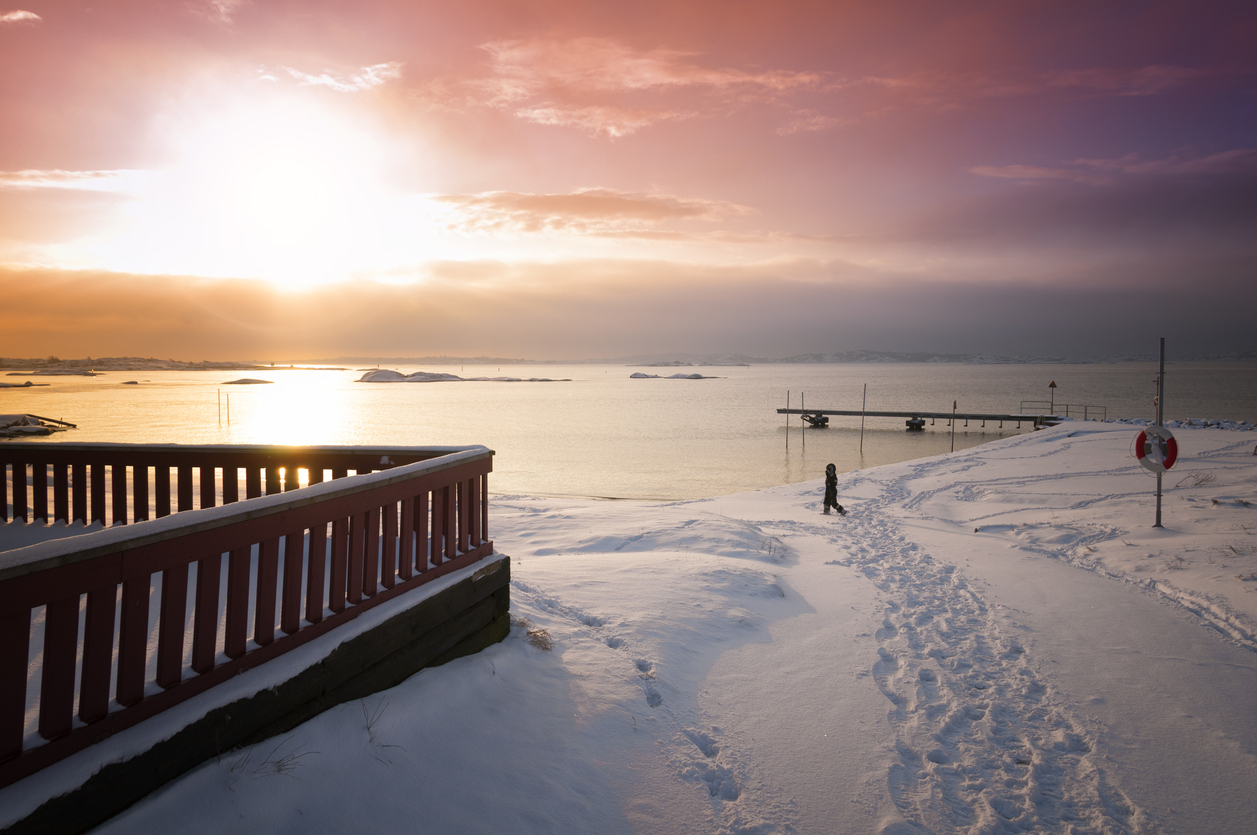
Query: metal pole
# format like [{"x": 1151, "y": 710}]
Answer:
[
  {"x": 787, "y": 421},
  {"x": 801, "y": 408},
  {"x": 953, "y": 426},
  {"x": 863, "y": 405},
  {"x": 1160, "y": 416}
]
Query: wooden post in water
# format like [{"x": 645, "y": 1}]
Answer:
[{"x": 863, "y": 406}]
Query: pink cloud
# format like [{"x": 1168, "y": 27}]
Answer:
[
  {"x": 604, "y": 64},
  {"x": 581, "y": 83},
  {"x": 1106, "y": 171},
  {"x": 74, "y": 180},
  {"x": 810, "y": 120},
  {"x": 364, "y": 79},
  {"x": 607, "y": 120},
  {"x": 594, "y": 211},
  {"x": 20, "y": 16}
]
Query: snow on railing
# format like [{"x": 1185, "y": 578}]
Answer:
[{"x": 256, "y": 592}]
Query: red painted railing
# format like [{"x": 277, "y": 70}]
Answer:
[{"x": 255, "y": 593}]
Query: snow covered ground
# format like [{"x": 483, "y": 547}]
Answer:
[{"x": 995, "y": 640}]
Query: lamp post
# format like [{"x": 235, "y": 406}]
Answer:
[{"x": 1052, "y": 407}]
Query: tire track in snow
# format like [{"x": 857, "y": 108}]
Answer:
[{"x": 983, "y": 743}]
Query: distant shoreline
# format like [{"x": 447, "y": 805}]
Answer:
[{"x": 52, "y": 366}]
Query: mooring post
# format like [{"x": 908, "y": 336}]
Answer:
[{"x": 863, "y": 407}]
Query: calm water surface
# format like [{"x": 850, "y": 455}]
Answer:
[{"x": 604, "y": 434}]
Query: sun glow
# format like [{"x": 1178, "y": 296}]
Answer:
[{"x": 286, "y": 191}]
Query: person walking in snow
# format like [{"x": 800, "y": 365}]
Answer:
[{"x": 831, "y": 490}]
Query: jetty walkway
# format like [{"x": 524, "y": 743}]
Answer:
[{"x": 916, "y": 419}]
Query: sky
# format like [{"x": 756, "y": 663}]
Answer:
[{"x": 248, "y": 179}]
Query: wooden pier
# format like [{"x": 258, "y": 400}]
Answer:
[{"x": 916, "y": 419}]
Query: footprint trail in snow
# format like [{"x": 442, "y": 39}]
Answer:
[{"x": 983, "y": 743}]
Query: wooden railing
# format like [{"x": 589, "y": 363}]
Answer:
[{"x": 293, "y": 565}]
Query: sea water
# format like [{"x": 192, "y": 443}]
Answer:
[{"x": 605, "y": 434}]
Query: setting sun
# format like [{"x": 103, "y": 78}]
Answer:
[{"x": 283, "y": 190}]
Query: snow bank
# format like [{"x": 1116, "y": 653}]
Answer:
[
  {"x": 1191, "y": 423},
  {"x": 994, "y": 640}
]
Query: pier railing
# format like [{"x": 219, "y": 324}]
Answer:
[
  {"x": 270, "y": 574},
  {"x": 1069, "y": 410}
]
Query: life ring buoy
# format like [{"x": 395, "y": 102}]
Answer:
[{"x": 1156, "y": 449}]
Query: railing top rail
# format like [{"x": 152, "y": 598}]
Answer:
[
  {"x": 70, "y": 550},
  {"x": 246, "y": 449}
]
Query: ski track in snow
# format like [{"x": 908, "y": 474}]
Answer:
[{"x": 983, "y": 743}]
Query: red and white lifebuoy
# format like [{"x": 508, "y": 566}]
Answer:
[{"x": 1156, "y": 449}]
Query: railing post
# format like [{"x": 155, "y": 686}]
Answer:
[
  {"x": 340, "y": 541},
  {"x": 231, "y": 484},
  {"x": 371, "y": 554},
  {"x": 60, "y": 493},
  {"x": 98, "y": 494},
  {"x": 236, "y": 636},
  {"x": 205, "y": 616},
  {"x": 39, "y": 484},
  {"x": 184, "y": 487},
  {"x": 423, "y": 544},
  {"x": 439, "y": 496},
  {"x": 209, "y": 487},
  {"x": 252, "y": 482},
  {"x": 463, "y": 488},
  {"x": 56, "y": 697},
  {"x": 357, "y": 540},
  {"x": 268, "y": 577},
  {"x": 133, "y": 639},
  {"x": 15, "y": 647},
  {"x": 97, "y": 653},
  {"x": 476, "y": 505},
  {"x": 172, "y": 624},
  {"x": 388, "y": 546},
  {"x": 484, "y": 508},
  {"x": 316, "y": 572},
  {"x": 118, "y": 487},
  {"x": 406, "y": 540},
  {"x": 447, "y": 523},
  {"x": 139, "y": 492},
  {"x": 294, "y": 565},
  {"x": 161, "y": 486},
  {"x": 20, "y": 509}
]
